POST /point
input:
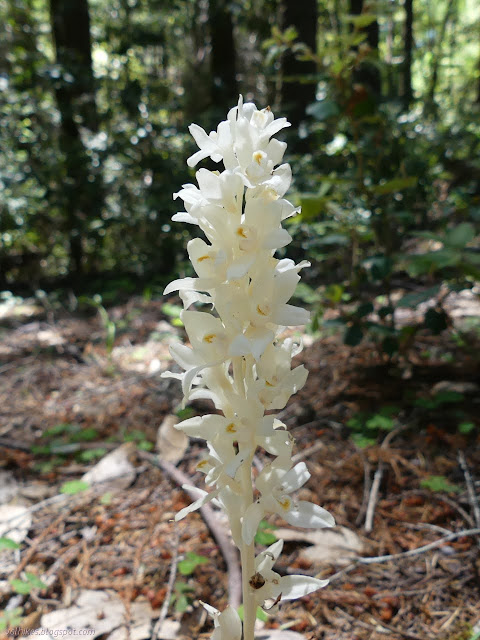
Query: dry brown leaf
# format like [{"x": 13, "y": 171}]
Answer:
[{"x": 171, "y": 443}]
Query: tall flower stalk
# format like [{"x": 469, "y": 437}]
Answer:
[{"x": 237, "y": 358}]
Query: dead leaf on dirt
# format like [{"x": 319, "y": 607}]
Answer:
[
  {"x": 8, "y": 487},
  {"x": 168, "y": 630},
  {"x": 140, "y": 623},
  {"x": 171, "y": 443},
  {"x": 102, "y": 612},
  {"x": 278, "y": 634},
  {"x": 330, "y": 546},
  {"x": 15, "y": 521},
  {"x": 114, "y": 471}
]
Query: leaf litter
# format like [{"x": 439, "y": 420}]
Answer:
[{"x": 119, "y": 544}]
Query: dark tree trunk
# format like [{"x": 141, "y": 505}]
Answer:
[
  {"x": 430, "y": 105},
  {"x": 478, "y": 84},
  {"x": 75, "y": 96},
  {"x": 299, "y": 82},
  {"x": 223, "y": 56},
  {"x": 408, "y": 50},
  {"x": 366, "y": 73}
]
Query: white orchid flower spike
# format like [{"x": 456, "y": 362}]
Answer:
[{"x": 237, "y": 357}]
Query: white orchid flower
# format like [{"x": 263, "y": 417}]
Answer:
[
  {"x": 237, "y": 358},
  {"x": 269, "y": 585},
  {"x": 228, "y": 625},
  {"x": 276, "y": 482}
]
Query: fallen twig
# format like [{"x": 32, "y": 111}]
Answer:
[
  {"x": 406, "y": 554},
  {"x": 170, "y": 585},
  {"x": 228, "y": 550},
  {"x": 377, "y": 479},
  {"x": 472, "y": 496},
  {"x": 380, "y": 627},
  {"x": 372, "y": 500}
]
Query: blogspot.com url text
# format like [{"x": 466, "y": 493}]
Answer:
[{"x": 53, "y": 633}]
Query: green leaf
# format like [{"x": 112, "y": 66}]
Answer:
[
  {"x": 145, "y": 445},
  {"x": 323, "y": 110},
  {"x": 91, "y": 454},
  {"x": 172, "y": 310},
  {"x": 385, "y": 311},
  {"x": 74, "y": 486},
  {"x": 466, "y": 427},
  {"x": 436, "y": 321},
  {"x": 181, "y": 604},
  {"x": 260, "y": 614},
  {"x": 334, "y": 293},
  {"x": 362, "y": 441},
  {"x": 390, "y": 345},
  {"x": 264, "y": 535},
  {"x": 106, "y": 499},
  {"x": 185, "y": 414},
  {"x": 439, "y": 483},
  {"x": 353, "y": 335},
  {"x": 19, "y": 586},
  {"x": 378, "y": 421},
  {"x": 363, "y": 310},
  {"x": 411, "y": 300},
  {"x": 460, "y": 235},
  {"x": 393, "y": 186},
  {"x": 63, "y": 427},
  {"x": 363, "y": 20},
  {"x": 35, "y": 581},
  {"x": 190, "y": 563},
  {"x": 11, "y": 618},
  {"x": 7, "y": 543},
  {"x": 86, "y": 435}
]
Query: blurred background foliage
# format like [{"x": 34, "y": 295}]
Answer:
[{"x": 384, "y": 100}]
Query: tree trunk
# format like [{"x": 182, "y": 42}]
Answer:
[
  {"x": 299, "y": 81},
  {"x": 430, "y": 105},
  {"x": 75, "y": 97},
  {"x": 408, "y": 50},
  {"x": 366, "y": 73},
  {"x": 224, "y": 89}
]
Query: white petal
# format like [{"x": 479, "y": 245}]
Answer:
[
  {"x": 205, "y": 427},
  {"x": 230, "y": 624},
  {"x": 290, "y": 316},
  {"x": 183, "y": 355},
  {"x": 308, "y": 515},
  {"x": 183, "y": 216},
  {"x": 190, "y": 284},
  {"x": 196, "y": 505},
  {"x": 275, "y": 150},
  {"x": 277, "y": 239},
  {"x": 295, "y": 478},
  {"x": 240, "y": 267},
  {"x": 293, "y": 587},
  {"x": 189, "y": 297},
  {"x": 251, "y": 520},
  {"x": 268, "y": 557},
  {"x": 281, "y": 179},
  {"x": 259, "y": 340},
  {"x": 240, "y": 346},
  {"x": 209, "y": 184}
]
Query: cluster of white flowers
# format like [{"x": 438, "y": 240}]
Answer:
[{"x": 237, "y": 357}]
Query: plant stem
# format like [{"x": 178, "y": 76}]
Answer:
[
  {"x": 247, "y": 552},
  {"x": 247, "y": 555}
]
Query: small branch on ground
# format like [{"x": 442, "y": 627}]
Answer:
[
  {"x": 170, "y": 585},
  {"x": 226, "y": 547},
  {"x": 472, "y": 496}
]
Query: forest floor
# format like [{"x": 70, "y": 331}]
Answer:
[{"x": 392, "y": 446}]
